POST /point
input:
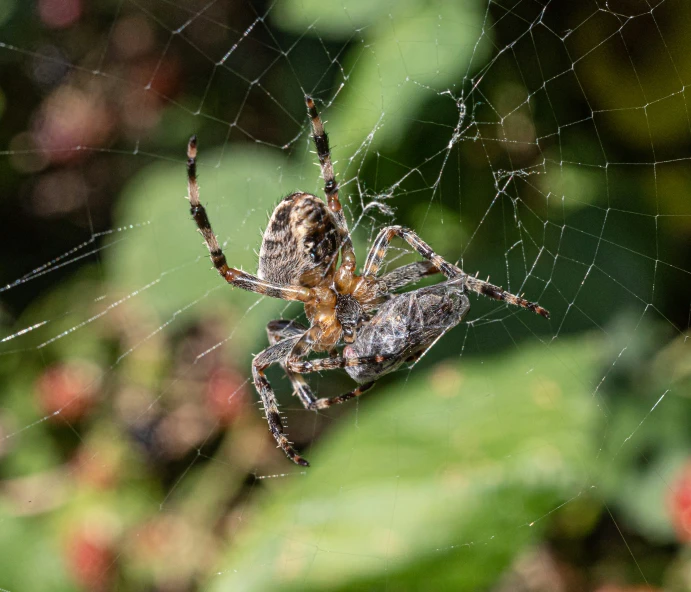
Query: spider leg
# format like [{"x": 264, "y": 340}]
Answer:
[
  {"x": 321, "y": 141},
  {"x": 408, "y": 274},
  {"x": 376, "y": 255},
  {"x": 233, "y": 276},
  {"x": 271, "y": 355},
  {"x": 386, "y": 235},
  {"x": 497, "y": 293},
  {"x": 282, "y": 329},
  {"x": 294, "y": 365},
  {"x": 325, "y": 402}
]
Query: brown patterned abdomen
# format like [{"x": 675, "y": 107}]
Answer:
[{"x": 300, "y": 243}]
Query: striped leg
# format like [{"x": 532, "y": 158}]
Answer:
[
  {"x": 408, "y": 274},
  {"x": 381, "y": 244},
  {"x": 325, "y": 402},
  {"x": 294, "y": 365},
  {"x": 321, "y": 141},
  {"x": 378, "y": 251},
  {"x": 298, "y": 366},
  {"x": 282, "y": 329},
  {"x": 233, "y": 276},
  {"x": 271, "y": 355}
]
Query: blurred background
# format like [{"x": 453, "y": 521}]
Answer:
[{"x": 546, "y": 145}]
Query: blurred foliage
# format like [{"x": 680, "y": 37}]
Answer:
[
  {"x": 442, "y": 513},
  {"x": 237, "y": 184},
  {"x": 429, "y": 44},
  {"x": 518, "y": 454}
]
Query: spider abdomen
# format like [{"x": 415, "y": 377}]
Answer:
[
  {"x": 300, "y": 243},
  {"x": 404, "y": 327}
]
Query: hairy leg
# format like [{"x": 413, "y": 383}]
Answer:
[
  {"x": 271, "y": 355},
  {"x": 408, "y": 274},
  {"x": 381, "y": 244},
  {"x": 235, "y": 277},
  {"x": 321, "y": 141},
  {"x": 295, "y": 365},
  {"x": 282, "y": 329}
]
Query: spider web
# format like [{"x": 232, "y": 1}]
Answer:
[{"x": 544, "y": 146}]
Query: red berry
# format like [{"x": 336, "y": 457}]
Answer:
[
  {"x": 90, "y": 559},
  {"x": 68, "y": 389},
  {"x": 226, "y": 395},
  {"x": 680, "y": 504}
]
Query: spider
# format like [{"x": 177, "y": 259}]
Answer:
[{"x": 298, "y": 260}]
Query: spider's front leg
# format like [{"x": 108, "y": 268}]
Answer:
[
  {"x": 271, "y": 355},
  {"x": 296, "y": 366},
  {"x": 233, "y": 276},
  {"x": 325, "y": 402}
]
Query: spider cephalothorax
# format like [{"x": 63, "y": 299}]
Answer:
[{"x": 299, "y": 260}]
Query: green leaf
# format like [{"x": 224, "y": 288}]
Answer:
[
  {"x": 440, "y": 481},
  {"x": 30, "y": 560},
  {"x": 647, "y": 388}
]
